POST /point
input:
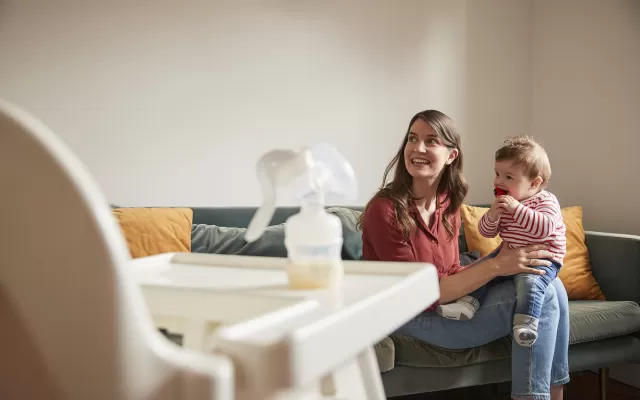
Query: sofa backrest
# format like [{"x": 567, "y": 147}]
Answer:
[{"x": 240, "y": 217}]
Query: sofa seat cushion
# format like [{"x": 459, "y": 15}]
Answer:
[
  {"x": 385, "y": 354},
  {"x": 589, "y": 321},
  {"x": 595, "y": 320},
  {"x": 411, "y": 352}
]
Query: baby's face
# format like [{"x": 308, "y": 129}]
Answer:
[{"x": 511, "y": 178}]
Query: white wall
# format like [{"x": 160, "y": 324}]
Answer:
[
  {"x": 586, "y": 108},
  {"x": 498, "y": 90},
  {"x": 586, "y": 105},
  {"x": 171, "y": 103}
]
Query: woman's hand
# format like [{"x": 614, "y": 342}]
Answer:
[
  {"x": 506, "y": 263},
  {"x": 514, "y": 261}
]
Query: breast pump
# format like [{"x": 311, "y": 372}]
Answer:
[{"x": 313, "y": 237}]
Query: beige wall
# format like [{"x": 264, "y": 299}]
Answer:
[
  {"x": 212, "y": 84},
  {"x": 586, "y": 108},
  {"x": 586, "y": 105},
  {"x": 498, "y": 85},
  {"x": 567, "y": 72},
  {"x": 172, "y": 102}
]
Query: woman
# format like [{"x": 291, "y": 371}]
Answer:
[{"x": 415, "y": 217}]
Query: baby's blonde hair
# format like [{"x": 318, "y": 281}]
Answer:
[{"x": 528, "y": 153}]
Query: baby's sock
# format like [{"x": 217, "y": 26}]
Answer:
[
  {"x": 525, "y": 329},
  {"x": 462, "y": 309}
]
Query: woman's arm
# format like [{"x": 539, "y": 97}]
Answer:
[
  {"x": 468, "y": 279},
  {"x": 452, "y": 289},
  {"x": 506, "y": 263}
]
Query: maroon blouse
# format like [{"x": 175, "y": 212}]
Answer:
[{"x": 383, "y": 240}]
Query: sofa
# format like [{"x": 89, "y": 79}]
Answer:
[{"x": 603, "y": 333}]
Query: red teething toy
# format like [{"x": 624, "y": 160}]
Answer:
[{"x": 499, "y": 192}]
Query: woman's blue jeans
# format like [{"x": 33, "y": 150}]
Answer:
[{"x": 533, "y": 369}]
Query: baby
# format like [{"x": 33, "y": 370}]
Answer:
[{"x": 523, "y": 213}]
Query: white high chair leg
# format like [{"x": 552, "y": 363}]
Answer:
[
  {"x": 328, "y": 386},
  {"x": 195, "y": 335},
  {"x": 371, "y": 374}
]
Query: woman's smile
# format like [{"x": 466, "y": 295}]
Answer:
[{"x": 420, "y": 161}]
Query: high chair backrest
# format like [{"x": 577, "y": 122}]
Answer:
[{"x": 73, "y": 325}]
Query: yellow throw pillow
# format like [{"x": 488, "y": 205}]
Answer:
[
  {"x": 475, "y": 241},
  {"x": 151, "y": 231},
  {"x": 576, "y": 270},
  {"x": 575, "y": 273}
]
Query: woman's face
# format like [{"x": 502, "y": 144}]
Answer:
[{"x": 425, "y": 154}]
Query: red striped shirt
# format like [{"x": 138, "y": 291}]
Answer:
[{"x": 536, "y": 220}]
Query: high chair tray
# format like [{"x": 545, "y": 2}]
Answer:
[{"x": 248, "y": 297}]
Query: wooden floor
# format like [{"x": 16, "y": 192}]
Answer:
[{"x": 583, "y": 386}]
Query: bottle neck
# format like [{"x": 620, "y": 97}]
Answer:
[{"x": 313, "y": 202}]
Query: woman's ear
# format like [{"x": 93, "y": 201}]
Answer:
[{"x": 453, "y": 154}]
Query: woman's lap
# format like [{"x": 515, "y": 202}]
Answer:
[
  {"x": 535, "y": 368},
  {"x": 492, "y": 321}
]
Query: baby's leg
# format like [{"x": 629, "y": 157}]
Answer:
[
  {"x": 465, "y": 307},
  {"x": 530, "y": 292}
]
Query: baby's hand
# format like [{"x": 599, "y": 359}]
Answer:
[
  {"x": 510, "y": 204},
  {"x": 498, "y": 207}
]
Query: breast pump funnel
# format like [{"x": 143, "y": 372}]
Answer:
[
  {"x": 313, "y": 237},
  {"x": 316, "y": 174}
]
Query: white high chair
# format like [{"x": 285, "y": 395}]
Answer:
[{"x": 72, "y": 324}]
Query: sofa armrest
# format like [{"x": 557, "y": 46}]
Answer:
[{"x": 615, "y": 260}]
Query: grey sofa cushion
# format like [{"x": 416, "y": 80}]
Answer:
[
  {"x": 594, "y": 320},
  {"x": 411, "y": 352},
  {"x": 589, "y": 321},
  {"x": 385, "y": 353},
  {"x": 352, "y": 237},
  {"x": 227, "y": 240},
  {"x": 230, "y": 240}
]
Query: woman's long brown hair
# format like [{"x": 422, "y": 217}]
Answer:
[{"x": 452, "y": 184}]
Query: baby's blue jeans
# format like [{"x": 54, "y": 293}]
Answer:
[{"x": 530, "y": 288}]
